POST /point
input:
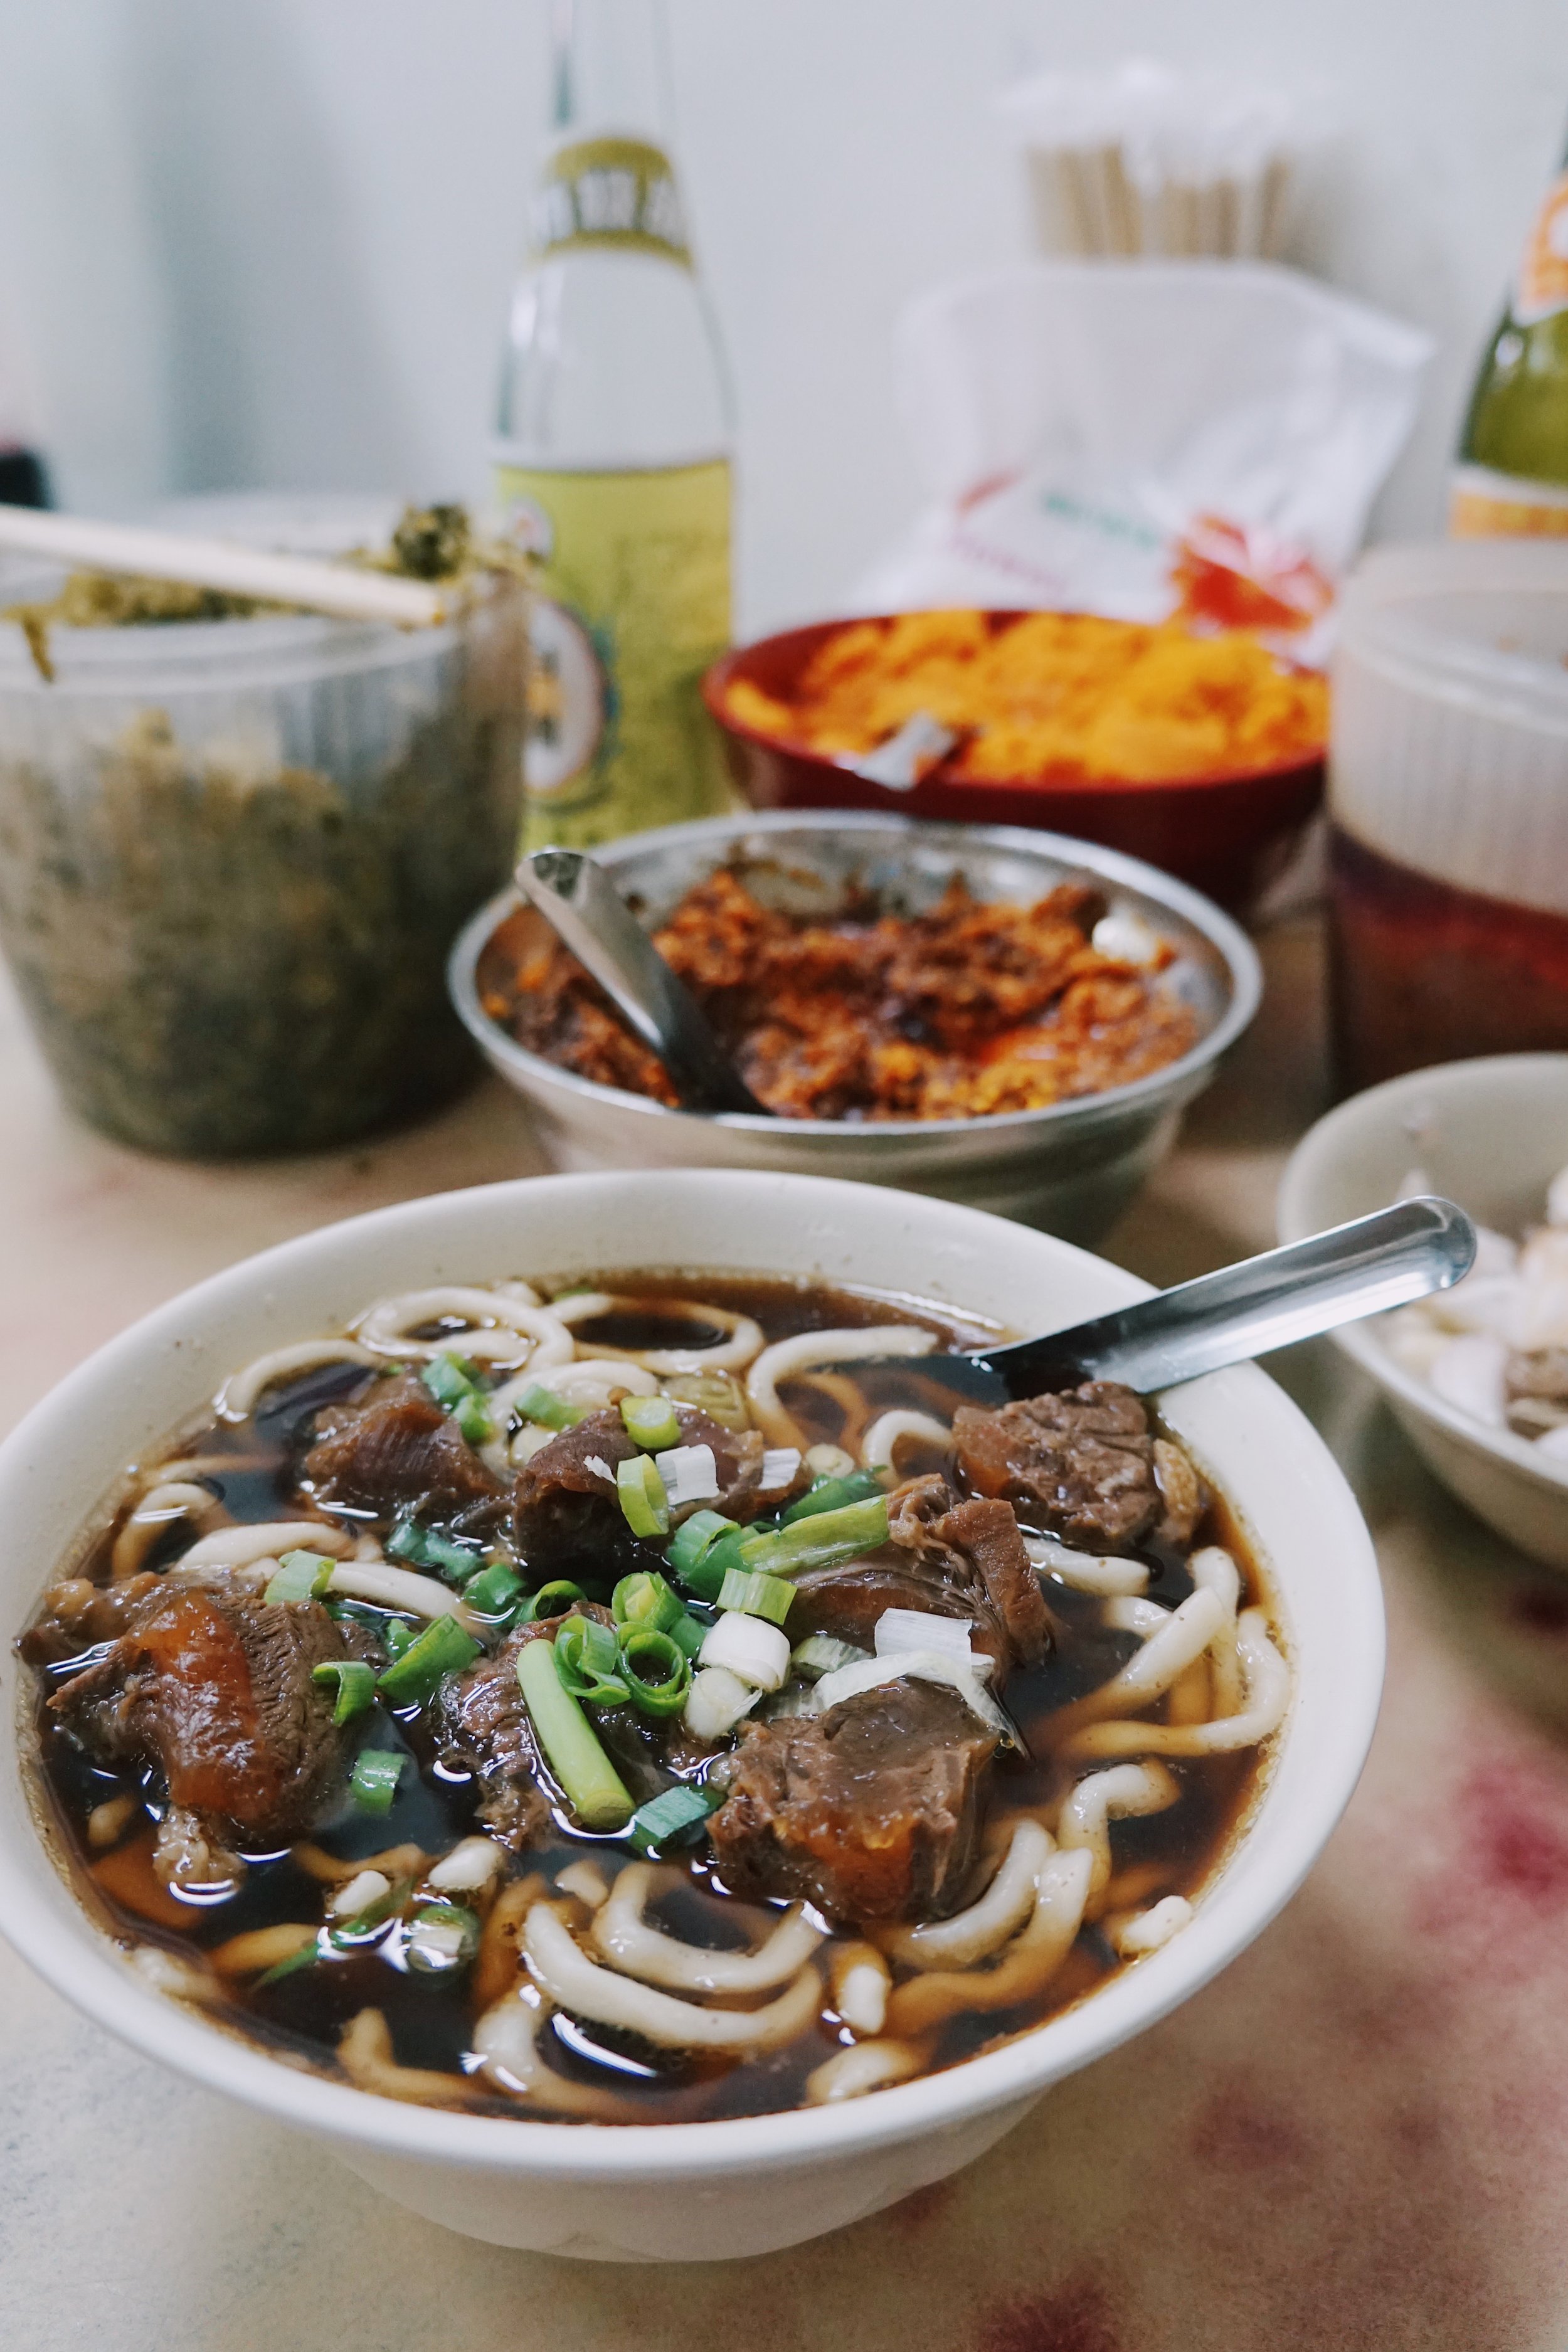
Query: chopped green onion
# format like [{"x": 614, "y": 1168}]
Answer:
[
  {"x": 442, "y": 1938},
  {"x": 541, "y": 1404},
  {"x": 755, "y": 1594},
  {"x": 689, "y": 1547},
  {"x": 645, "y": 1599},
  {"x": 305, "y": 1957},
  {"x": 472, "y": 1416},
  {"x": 441, "y": 1650},
  {"x": 670, "y": 1817},
  {"x": 345, "y": 1934},
  {"x": 449, "y": 1378},
  {"x": 820, "y": 1653},
  {"x": 423, "y": 1547},
  {"x": 687, "y": 1634},
  {"x": 593, "y": 1787},
  {"x": 374, "y": 1782},
  {"x": 355, "y": 1682},
  {"x": 400, "y": 1635},
  {"x": 551, "y": 1601},
  {"x": 821, "y": 1542},
  {"x": 493, "y": 1589},
  {"x": 832, "y": 1494},
  {"x": 586, "y": 1658},
  {"x": 650, "y": 1422},
  {"x": 657, "y": 1669},
  {"x": 301, "y": 1576},
  {"x": 704, "y": 1581},
  {"x": 644, "y": 1504}
]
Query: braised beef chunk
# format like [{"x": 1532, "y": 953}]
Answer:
[
  {"x": 737, "y": 1461},
  {"x": 395, "y": 1448},
  {"x": 1081, "y": 1464},
  {"x": 482, "y": 1727},
  {"x": 847, "y": 1603},
  {"x": 566, "y": 1514},
  {"x": 986, "y": 1534},
  {"x": 213, "y": 1689},
  {"x": 870, "y": 1811}
]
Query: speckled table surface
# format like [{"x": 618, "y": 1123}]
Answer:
[{"x": 1356, "y": 2138}]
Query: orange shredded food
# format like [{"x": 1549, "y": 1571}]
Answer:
[
  {"x": 964, "y": 1010},
  {"x": 1052, "y": 697}
]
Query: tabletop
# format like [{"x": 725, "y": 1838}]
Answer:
[{"x": 1357, "y": 2136}]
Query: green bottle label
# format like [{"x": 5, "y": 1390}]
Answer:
[
  {"x": 609, "y": 192},
  {"x": 633, "y": 604}
]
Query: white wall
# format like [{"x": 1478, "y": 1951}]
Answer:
[{"x": 268, "y": 241}]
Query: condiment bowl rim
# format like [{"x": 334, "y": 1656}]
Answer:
[
  {"x": 1244, "y": 975},
  {"x": 1296, "y": 1218}
]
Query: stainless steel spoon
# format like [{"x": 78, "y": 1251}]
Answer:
[
  {"x": 1379, "y": 1262},
  {"x": 585, "y": 909}
]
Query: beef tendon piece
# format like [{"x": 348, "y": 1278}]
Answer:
[
  {"x": 1081, "y": 1464},
  {"x": 395, "y": 1448},
  {"x": 214, "y": 1691},
  {"x": 871, "y": 1811},
  {"x": 1181, "y": 1491},
  {"x": 482, "y": 1727},
  {"x": 986, "y": 1534}
]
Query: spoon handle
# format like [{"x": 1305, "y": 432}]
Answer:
[
  {"x": 582, "y": 907},
  {"x": 1379, "y": 1262}
]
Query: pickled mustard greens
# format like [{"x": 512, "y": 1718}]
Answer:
[
  {"x": 542, "y": 1807},
  {"x": 227, "y": 949}
]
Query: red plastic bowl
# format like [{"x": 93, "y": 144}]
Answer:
[{"x": 1228, "y": 835}]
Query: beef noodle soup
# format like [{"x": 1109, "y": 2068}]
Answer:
[{"x": 668, "y": 1698}]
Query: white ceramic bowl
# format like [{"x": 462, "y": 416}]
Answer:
[
  {"x": 685, "y": 2191},
  {"x": 1070, "y": 1167},
  {"x": 1490, "y": 1133}
]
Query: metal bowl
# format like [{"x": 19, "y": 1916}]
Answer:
[{"x": 1070, "y": 1168}]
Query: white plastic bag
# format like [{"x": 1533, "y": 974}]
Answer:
[{"x": 1099, "y": 436}]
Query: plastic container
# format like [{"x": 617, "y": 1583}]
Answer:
[
  {"x": 234, "y": 855},
  {"x": 1448, "y": 801}
]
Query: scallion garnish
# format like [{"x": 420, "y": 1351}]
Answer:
[
  {"x": 449, "y": 1378},
  {"x": 305, "y": 1957},
  {"x": 755, "y": 1594},
  {"x": 472, "y": 1415},
  {"x": 657, "y": 1670},
  {"x": 593, "y": 1787},
  {"x": 689, "y": 1547},
  {"x": 587, "y": 1659},
  {"x": 650, "y": 1423},
  {"x": 400, "y": 1637},
  {"x": 820, "y": 1654},
  {"x": 686, "y": 1632},
  {"x": 551, "y": 1601},
  {"x": 424, "y": 1547},
  {"x": 673, "y": 1817},
  {"x": 644, "y": 1504},
  {"x": 494, "y": 1588},
  {"x": 356, "y": 1686},
  {"x": 820, "y": 1541},
  {"x": 832, "y": 1494},
  {"x": 441, "y": 1939},
  {"x": 645, "y": 1599},
  {"x": 441, "y": 1650},
  {"x": 299, "y": 1576},
  {"x": 345, "y": 1934},
  {"x": 541, "y": 1404},
  {"x": 373, "y": 1783}
]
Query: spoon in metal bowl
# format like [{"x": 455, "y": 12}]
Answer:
[
  {"x": 588, "y": 915},
  {"x": 1377, "y": 1263}
]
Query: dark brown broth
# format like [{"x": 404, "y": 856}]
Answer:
[{"x": 430, "y": 2018}]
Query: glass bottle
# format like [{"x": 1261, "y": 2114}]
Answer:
[
  {"x": 613, "y": 453},
  {"x": 1511, "y": 479}
]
